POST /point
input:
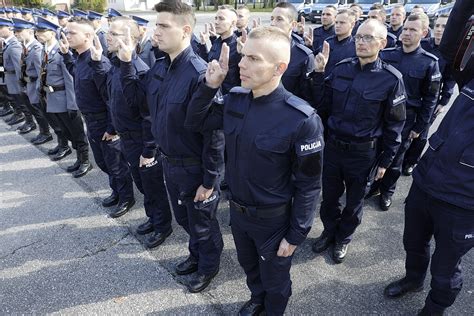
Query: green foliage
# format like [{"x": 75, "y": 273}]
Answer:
[
  {"x": 29, "y": 3},
  {"x": 94, "y": 5}
]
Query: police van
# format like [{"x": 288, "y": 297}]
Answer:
[
  {"x": 366, "y": 4},
  {"x": 433, "y": 8}
]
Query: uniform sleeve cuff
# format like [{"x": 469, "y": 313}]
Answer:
[
  {"x": 148, "y": 152},
  {"x": 294, "y": 238}
]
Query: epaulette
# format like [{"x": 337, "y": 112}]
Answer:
[
  {"x": 299, "y": 104},
  {"x": 239, "y": 90},
  {"x": 346, "y": 60},
  {"x": 330, "y": 38},
  {"x": 392, "y": 36},
  {"x": 389, "y": 49},
  {"x": 424, "y": 52},
  {"x": 305, "y": 49},
  {"x": 392, "y": 70}
]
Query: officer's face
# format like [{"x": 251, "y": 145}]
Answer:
[
  {"x": 5, "y": 32},
  {"x": 397, "y": 17},
  {"x": 63, "y": 22},
  {"x": 344, "y": 24},
  {"x": 368, "y": 42},
  {"x": 256, "y": 66},
  {"x": 280, "y": 18},
  {"x": 412, "y": 33},
  {"x": 357, "y": 11},
  {"x": 439, "y": 27},
  {"x": 328, "y": 17},
  {"x": 224, "y": 21},
  {"x": 374, "y": 14},
  {"x": 22, "y": 35},
  {"x": 77, "y": 35},
  {"x": 44, "y": 36},
  {"x": 242, "y": 18},
  {"x": 116, "y": 32},
  {"x": 169, "y": 33}
]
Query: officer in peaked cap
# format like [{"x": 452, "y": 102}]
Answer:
[
  {"x": 144, "y": 47},
  {"x": 63, "y": 18},
  {"x": 12, "y": 51},
  {"x": 30, "y": 62},
  {"x": 79, "y": 13},
  {"x": 112, "y": 13},
  {"x": 96, "y": 19},
  {"x": 57, "y": 86},
  {"x": 27, "y": 14}
]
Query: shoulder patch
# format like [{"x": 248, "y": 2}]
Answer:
[
  {"x": 239, "y": 90},
  {"x": 392, "y": 70},
  {"x": 299, "y": 104},
  {"x": 424, "y": 52},
  {"x": 305, "y": 49},
  {"x": 346, "y": 60}
]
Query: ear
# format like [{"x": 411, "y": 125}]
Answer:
[
  {"x": 280, "y": 69},
  {"x": 187, "y": 30},
  {"x": 424, "y": 33},
  {"x": 383, "y": 43}
]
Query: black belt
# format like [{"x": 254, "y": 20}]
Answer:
[
  {"x": 30, "y": 79},
  {"x": 260, "y": 212},
  {"x": 52, "y": 89},
  {"x": 352, "y": 146},
  {"x": 183, "y": 162},
  {"x": 130, "y": 134},
  {"x": 95, "y": 116}
]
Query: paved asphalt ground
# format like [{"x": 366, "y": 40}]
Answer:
[{"x": 60, "y": 253}]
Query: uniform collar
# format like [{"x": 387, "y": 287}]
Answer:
[
  {"x": 416, "y": 51},
  {"x": 347, "y": 39},
  {"x": 276, "y": 94},
  {"x": 329, "y": 30},
  {"x": 377, "y": 64},
  {"x": 85, "y": 54},
  {"x": 182, "y": 57},
  {"x": 9, "y": 39}
]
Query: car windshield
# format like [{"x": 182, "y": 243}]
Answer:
[
  {"x": 422, "y": 1},
  {"x": 296, "y": 1},
  {"x": 367, "y": 1},
  {"x": 325, "y": 1}
]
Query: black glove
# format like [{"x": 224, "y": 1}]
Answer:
[{"x": 72, "y": 114}]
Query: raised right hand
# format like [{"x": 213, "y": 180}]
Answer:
[
  {"x": 216, "y": 71},
  {"x": 126, "y": 48},
  {"x": 63, "y": 44},
  {"x": 96, "y": 49},
  {"x": 241, "y": 41},
  {"x": 321, "y": 59}
]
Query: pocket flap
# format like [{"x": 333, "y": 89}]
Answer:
[
  {"x": 374, "y": 95},
  {"x": 419, "y": 74},
  {"x": 435, "y": 142},
  {"x": 272, "y": 143},
  {"x": 467, "y": 157}
]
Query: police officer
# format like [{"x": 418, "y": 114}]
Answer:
[
  {"x": 132, "y": 122},
  {"x": 431, "y": 45},
  {"x": 397, "y": 17},
  {"x": 12, "y": 51},
  {"x": 440, "y": 203},
  {"x": 192, "y": 161},
  {"x": 63, "y": 19},
  {"x": 96, "y": 19},
  {"x": 144, "y": 47},
  {"x": 315, "y": 39},
  {"x": 274, "y": 148},
  {"x": 422, "y": 77},
  {"x": 295, "y": 78},
  {"x": 112, "y": 13},
  {"x": 364, "y": 98},
  {"x": 377, "y": 12},
  {"x": 49, "y": 15},
  {"x": 357, "y": 9},
  {"x": 57, "y": 87},
  {"x": 30, "y": 66},
  {"x": 92, "y": 101},
  {"x": 225, "y": 20},
  {"x": 242, "y": 23},
  {"x": 27, "y": 14},
  {"x": 80, "y": 14}
]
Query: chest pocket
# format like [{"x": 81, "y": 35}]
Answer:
[
  {"x": 435, "y": 142},
  {"x": 414, "y": 83},
  {"x": 340, "y": 94},
  {"x": 370, "y": 104},
  {"x": 272, "y": 144}
]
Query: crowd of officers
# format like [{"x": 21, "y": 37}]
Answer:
[{"x": 163, "y": 109}]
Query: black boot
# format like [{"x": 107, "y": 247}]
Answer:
[
  {"x": 62, "y": 152},
  {"x": 27, "y": 127},
  {"x": 62, "y": 142},
  {"x": 84, "y": 167},
  {"x": 6, "y": 109},
  {"x": 76, "y": 164}
]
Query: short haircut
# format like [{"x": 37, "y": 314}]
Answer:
[
  {"x": 243, "y": 7},
  {"x": 176, "y": 7},
  {"x": 422, "y": 17},
  {"x": 377, "y": 6},
  {"x": 379, "y": 10},
  {"x": 399, "y": 6},
  {"x": 330, "y": 6},
  {"x": 228, "y": 7},
  {"x": 292, "y": 13},
  {"x": 380, "y": 29},
  {"x": 351, "y": 14},
  {"x": 272, "y": 34},
  {"x": 355, "y": 5},
  {"x": 82, "y": 21},
  {"x": 131, "y": 24},
  {"x": 417, "y": 6}
]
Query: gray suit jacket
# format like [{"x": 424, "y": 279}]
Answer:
[
  {"x": 33, "y": 70},
  {"x": 58, "y": 76},
  {"x": 11, "y": 63},
  {"x": 146, "y": 53}
]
